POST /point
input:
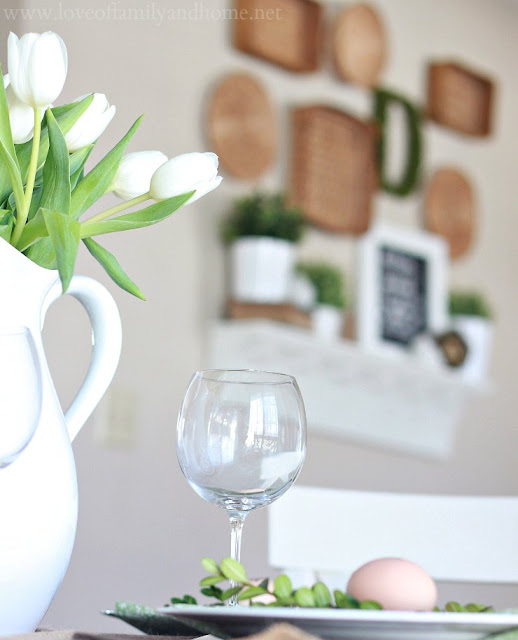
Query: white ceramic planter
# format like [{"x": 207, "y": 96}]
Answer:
[
  {"x": 302, "y": 293},
  {"x": 327, "y": 322},
  {"x": 261, "y": 269},
  {"x": 478, "y": 334}
]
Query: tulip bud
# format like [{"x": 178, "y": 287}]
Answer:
[
  {"x": 133, "y": 176},
  {"x": 21, "y": 116},
  {"x": 188, "y": 172},
  {"x": 90, "y": 124},
  {"x": 37, "y": 67}
]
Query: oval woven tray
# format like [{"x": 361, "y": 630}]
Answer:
[
  {"x": 449, "y": 209},
  {"x": 359, "y": 45},
  {"x": 241, "y": 126}
]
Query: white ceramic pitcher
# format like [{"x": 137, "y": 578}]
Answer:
[{"x": 38, "y": 492}]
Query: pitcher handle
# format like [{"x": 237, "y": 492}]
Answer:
[{"x": 106, "y": 345}]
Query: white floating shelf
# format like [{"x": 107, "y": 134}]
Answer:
[{"x": 396, "y": 402}]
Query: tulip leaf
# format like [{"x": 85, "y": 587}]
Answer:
[
  {"x": 66, "y": 116},
  {"x": 13, "y": 172},
  {"x": 77, "y": 164},
  {"x": 112, "y": 267},
  {"x": 64, "y": 235},
  {"x": 56, "y": 171},
  {"x": 42, "y": 252},
  {"x": 79, "y": 157},
  {"x": 5, "y": 185},
  {"x": 5, "y": 124},
  {"x": 35, "y": 202},
  {"x": 6, "y": 231},
  {"x": 33, "y": 230},
  {"x": 64, "y": 111},
  {"x": 11, "y": 202},
  {"x": 97, "y": 181},
  {"x": 6, "y": 224},
  {"x": 137, "y": 219},
  {"x": 7, "y": 141}
]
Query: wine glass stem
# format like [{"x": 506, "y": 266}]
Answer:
[{"x": 236, "y": 528}]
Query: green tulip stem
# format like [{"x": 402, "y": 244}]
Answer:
[
  {"x": 21, "y": 217},
  {"x": 118, "y": 208}
]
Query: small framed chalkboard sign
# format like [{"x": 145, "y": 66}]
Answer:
[{"x": 402, "y": 287}]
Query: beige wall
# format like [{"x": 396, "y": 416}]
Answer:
[{"x": 142, "y": 531}]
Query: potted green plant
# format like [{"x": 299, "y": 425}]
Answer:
[
  {"x": 330, "y": 301},
  {"x": 262, "y": 231},
  {"x": 471, "y": 316}
]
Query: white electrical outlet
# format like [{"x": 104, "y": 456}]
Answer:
[{"x": 115, "y": 419}]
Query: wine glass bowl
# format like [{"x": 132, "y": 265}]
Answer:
[
  {"x": 241, "y": 440},
  {"x": 20, "y": 391}
]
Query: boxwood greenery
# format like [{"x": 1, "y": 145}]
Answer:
[
  {"x": 327, "y": 280},
  {"x": 262, "y": 214}
]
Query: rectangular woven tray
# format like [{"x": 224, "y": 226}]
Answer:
[
  {"x": 285, "y": 32},
  {"x": 459, "y": 98},
  {"x": 333, "y": 168}
]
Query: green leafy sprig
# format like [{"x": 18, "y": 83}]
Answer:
[
  {"x": 472, "y": 607},
  {"x": 280, "y": 592}
]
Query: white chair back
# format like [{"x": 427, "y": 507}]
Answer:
[{"x": 454, "y": 538}]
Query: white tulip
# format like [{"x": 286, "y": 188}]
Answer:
[
  {"x": 37, "y": 67},
  {"x": 90, "y": 124},
  {"x": 133, "y": 176},
  {"x": 21, "y": 115},
  {"x": 188, "y": 172}
]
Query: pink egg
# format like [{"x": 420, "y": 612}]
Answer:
[{"x": 395, "y": 583}]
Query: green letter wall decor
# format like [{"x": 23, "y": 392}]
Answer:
[{"x": 410, "y": 176}]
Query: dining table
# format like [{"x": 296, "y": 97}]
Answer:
[
  {"x": 280, "y": 631},
  {"x": 276, "y": 628}
]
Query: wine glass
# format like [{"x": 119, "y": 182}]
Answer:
[
  {"x": 241, "y": 440},
  {"x": 20, "y": 391}
]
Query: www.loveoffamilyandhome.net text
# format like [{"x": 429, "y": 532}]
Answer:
[{"x": 149, "y": 12}]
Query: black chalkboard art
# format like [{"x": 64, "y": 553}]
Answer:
[
  {"x": 401, "y": 289},
  {"x": 403, "y": 281}
]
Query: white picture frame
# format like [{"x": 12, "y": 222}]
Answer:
[{"x": 401, "y": 287}]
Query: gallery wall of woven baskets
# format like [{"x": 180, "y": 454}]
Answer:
[{"x": 337, "y": 161}]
